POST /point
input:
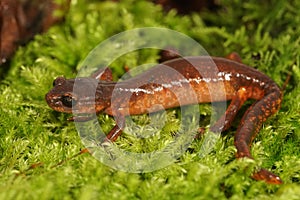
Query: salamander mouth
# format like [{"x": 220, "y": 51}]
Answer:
[{"x": 55, "y": 102}]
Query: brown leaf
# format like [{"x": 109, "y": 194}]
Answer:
[{"x": 20, "y": 20}]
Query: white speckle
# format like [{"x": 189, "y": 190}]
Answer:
[
  {"x": 220, "y": 73},
  {"x": 167, "y": 85},
  {"x": 224, "y": 74},
  {"x": 227, "y": 77},
  {"x": 262, "y": 83},
  {"x": 207, "y": 80},
  {"x": 176, "y": 83},
  {"x": 136, "y": 90},
  {"x": 157, "y": 89}
]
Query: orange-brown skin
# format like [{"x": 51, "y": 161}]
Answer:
[{"x": 171, "y": 85}]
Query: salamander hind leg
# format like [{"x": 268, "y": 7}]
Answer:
[
  {"x": 168, "y": 54},
  {"x": 225, "y": 120}
]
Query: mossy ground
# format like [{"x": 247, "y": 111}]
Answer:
[{"x": 266, "y": 35}]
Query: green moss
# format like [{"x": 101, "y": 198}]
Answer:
[{"x": 31, "y": 132}]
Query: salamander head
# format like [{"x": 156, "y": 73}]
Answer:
[{"x": 83, "y": 98}]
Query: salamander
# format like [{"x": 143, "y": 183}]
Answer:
[{"x": 170, "y": 85}]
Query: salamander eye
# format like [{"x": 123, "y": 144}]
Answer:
[{"x": 68, "y": 100}]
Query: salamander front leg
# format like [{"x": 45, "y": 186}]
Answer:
[
  {"x": 116, "y": 131},
  {"x": 102, "y": 74},
  {"x": 234, "y": 56}
]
